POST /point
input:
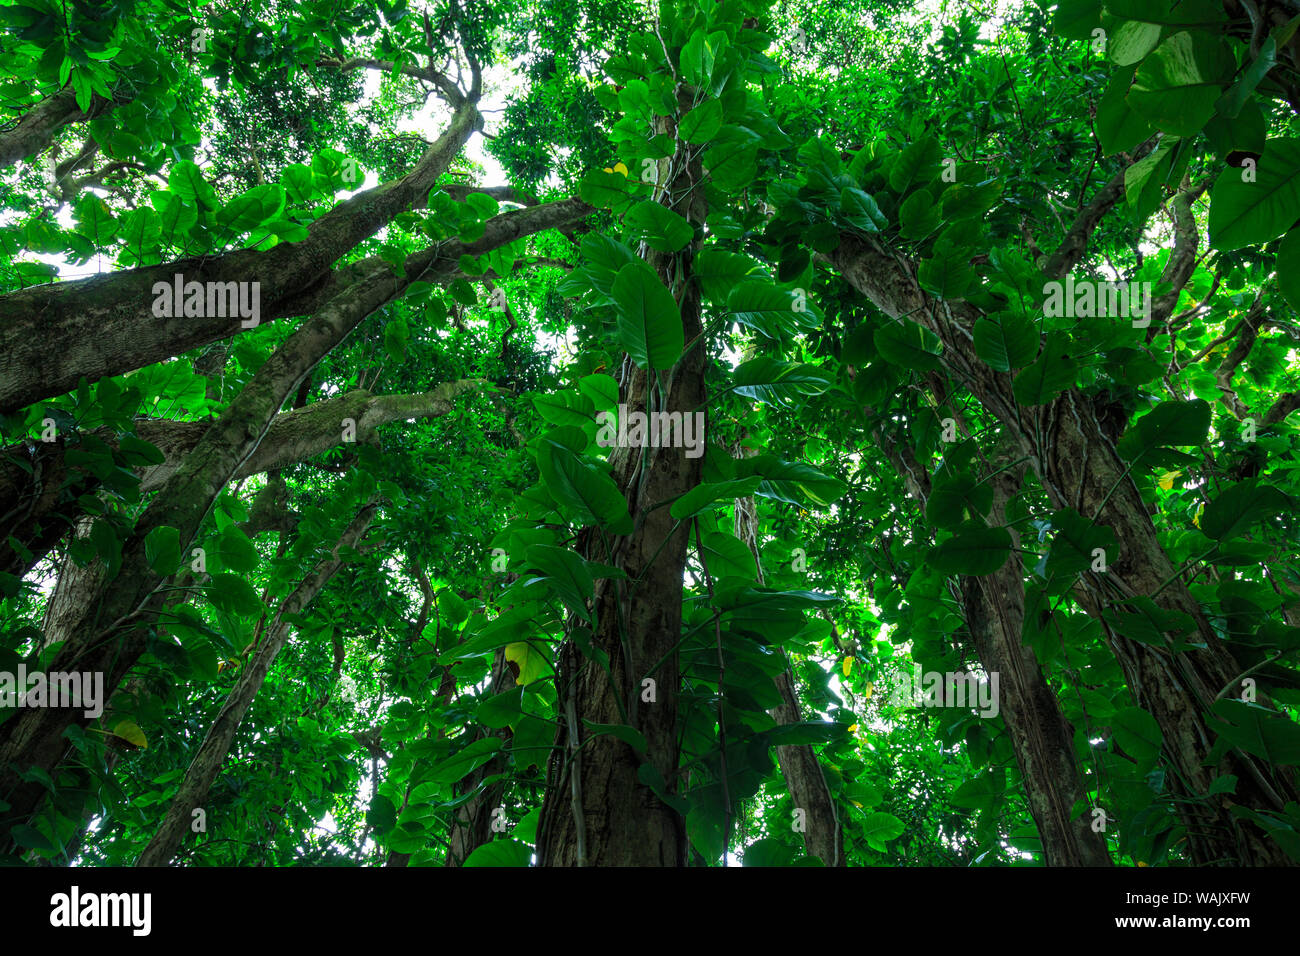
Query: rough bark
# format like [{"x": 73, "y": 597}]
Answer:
[
  {"x": 36, "y": 129},
  {"x": 207, "y": 762},
  {"x": 1043, "y": 741},
  {"x": 52, "y": 334},
  {"x": 623, "y": 822},
  {"x": 993, "y": 607},
  {"x": 131, "y": 337},
  {"x": 303, "y": 433},
  {"x": 38, "y": 492},
  {"x": 823, "y": 836}
]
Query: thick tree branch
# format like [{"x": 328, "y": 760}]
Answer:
[
  {"x": 207, "y": 762},
  {"x": 303, "y": 433},
  {"x": 1075, "y": 243},
  {"x": 51, "y": 335},
  {"x": 36, "y": 128}
]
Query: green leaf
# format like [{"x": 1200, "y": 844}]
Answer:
[
  {"x": 1076, "y": 19},
  {"x": 601, "y": 389},
  {"x": 582, "y": 488},
  {"x": 162, "y": 549},
  {"x": 1050, "y": 375},
  {"x": 1248, "y": 213},
  {"x": 727, "y": 556},
  {"x": 1239, "y": 508},
  {"x": 299, "y": 184},
  {"x": 499, "y": 853},
  {"x": 974, "y": 549},
  {"x": 702, "y": 123},
  {"x": 568, "y": 407},
  {"x": 771, "y": 311},
  {"x": 1074, "y": 540},
  {"x": 1178, "y": 84},
  {"x": 767, "y": 852},
  {"x": 1119, "y": 126},
  {"x": 982, "y": 792},
  {"x": 909, "y": 345},
  {"x": 248, "y": 210},
  {"x": 649, "y": 322},
  {"x": 1168, "y": 425},
  {"x": 806, "y": 732},
  {"x": 719, "y": 272},
  {"x": 795, "y": 482},
  {"x": 697, "y": 59},
  {"x": 879, "y": 828},
  {"x": 919, "y": 215},
  {"x": 1130, "y": 41},
  {"x": 778, "y": 383},
  {"x": 236, "y": 552},
  {"x": 395, "y": 336},
  {"x": 1006, "y": 341},
  {"x": 658, "y": 227},
  {"x": 604, "y": 190},
  {"x": 464, "y": 762},
  {"x": 31, "y": 838},
  {"x": 701, "y": 497},
  {"x": 948, "y": 275},
  {"x": 860, "y": 210},
  {"x": 1265, "y": 733},
  {"x": 732, "y": 160},
  {"x": 629, "y": 735},
  {"x": 567, "y": 573},
  {"x": 233, "y": 595},
  {"x": 917, "y": 163},
  {"x": 956, "y": 499},
  {"x": 186, "y": 180},
  {"x": 1137, "y": 732}
]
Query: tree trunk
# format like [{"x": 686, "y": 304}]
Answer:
[
  {"x": 598, "y": 811},
  {"x": 1080, "y": 468},
  {"x": 53, "y": 334},
  {"x": 207, "y": 762},
  {"x": 822, "y": 836}
]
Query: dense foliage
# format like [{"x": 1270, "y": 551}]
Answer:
[{"x": 977, "y": 331}]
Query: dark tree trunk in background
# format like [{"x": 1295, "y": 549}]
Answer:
[{"x": 1080, "y": 468}]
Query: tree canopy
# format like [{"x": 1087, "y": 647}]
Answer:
[{"x": 677, "y": 433}]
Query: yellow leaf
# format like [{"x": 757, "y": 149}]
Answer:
[
  {"x": 856, "y": 804},
  {"x": 848, "y": 665},
  {"x": 130, "y": 732},
  {"x": 619, "y": 168},
  {"x": 531, "y": 664},
  {"x": 867, "y": 693},
  {"x": 607, "y": 170},
  {"x": 1140, "y": 863},
  {"x": 1166, "y": 480},
  {"x": 1197, "y": 519},
  {"x": 853, "y": 728}
]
